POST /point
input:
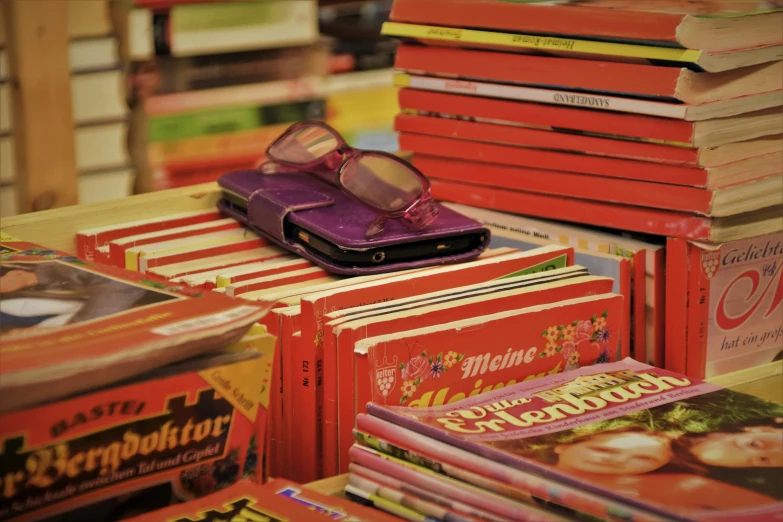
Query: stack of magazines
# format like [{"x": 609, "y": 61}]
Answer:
[{"x": 619, "y": 441}]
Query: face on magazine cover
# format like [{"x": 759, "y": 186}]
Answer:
[
  {"x": 52, "y": 294},
  {"x": 729, "y": 439}
]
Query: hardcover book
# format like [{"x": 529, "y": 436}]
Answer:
[{"x": 665, "y": 445}]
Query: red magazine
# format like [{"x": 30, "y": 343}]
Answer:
[
  {"x": 432, "y": 322},
  {"x": 643, "y": 442},
  {"x": 69, "y": 326},
  {"x": 310, "y": 366},
  {"x": 593, "y": 122},
  {"x": 547, "y": 160},
  {"x": 719, "y": 202},
  {"x": 611, "y": 215},
  {"x": 174, "y": 434},
  {"x": 735, "y": 305},
  {"x": 592, "y": 145}
]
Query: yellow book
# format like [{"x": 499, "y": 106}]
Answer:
[{"x": 629, "y": 52}]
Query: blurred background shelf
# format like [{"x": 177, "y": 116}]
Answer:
[{"x": 132, "y": 96}]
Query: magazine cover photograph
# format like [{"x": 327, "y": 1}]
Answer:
[
  {"x": 50, "y": 294},
  {"x": 670, "y": 443}
]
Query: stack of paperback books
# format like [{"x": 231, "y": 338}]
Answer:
[
  {"x": 653, "y": 117},
  {"x": 649, "y": 118},
  {"x": 419, "y": 338},
  {"x": 616, "y": 442}
]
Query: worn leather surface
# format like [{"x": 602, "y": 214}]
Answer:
[{"x": 323, "y": 209}]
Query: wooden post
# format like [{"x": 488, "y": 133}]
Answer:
[{"x": 42, "y": 116}]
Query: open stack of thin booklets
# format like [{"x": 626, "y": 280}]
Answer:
[
  {"x": 652, "y": 116},
  {"x": 619, "y": 441},
  {"x": 417, "y": 338}
]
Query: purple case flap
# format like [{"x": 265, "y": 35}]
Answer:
[{"x": 324, "y": 210}]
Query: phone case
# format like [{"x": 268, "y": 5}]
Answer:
[{"x": 322, "y": 209}]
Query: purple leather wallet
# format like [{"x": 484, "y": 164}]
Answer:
[{"x": 304, "y": 214}]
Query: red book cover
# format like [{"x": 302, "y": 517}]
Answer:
[
  {"x": 334, "y": 322},
  {"x": 247, "y": 271},
  {"x": 354, "y": 397},
  {"x": 310, "y": 366},
  {"x": 588, "y": 121},
  {"x": 544, "y": 138},
  {"x": 564, "y": 73},
  {"x": 405, "y": 367},
  {"x": 571, "y": 162},
  {"x": 599, "y": 188},
  {"x": 735, "y": 308},
  {"x": 596, "y": 213},
  {"x": 626, "y": 433},
  {"x": 677, "y": 295},
  {"x": 540, "y": 138},
  {"x": 109, "y": 450},
  {"x": 655, "y": 20},
  {"x": 69, "y": 326},
  {"x": 551, "y": 117},
  {"x": 88, "y": 240}
]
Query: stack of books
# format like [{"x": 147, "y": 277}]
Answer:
[
  {"x": 616, "y": 442},
  {"x": 655, "y": 122},
  {"x": 648, "y": 118},
  {"x": 99, "y": 110},
  {"x": 216, "y": 82},
  {"x": 418, "y": 338}
]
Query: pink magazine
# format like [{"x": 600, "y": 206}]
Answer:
[
  {"x": 664, "y": 445},
  {"x": 452, "y": 504}
]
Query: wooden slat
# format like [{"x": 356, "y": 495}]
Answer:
[
  {"x": 37, "y": 41},
  {"x": 57, "y": 228}
]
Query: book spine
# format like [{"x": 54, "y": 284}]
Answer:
[
  {"x": 549, "y": 96},
  {"x": 698, "y": 311},
  {"x": 557, "y": 19},
  {"x": 216, "y": 250},
  {"x": 639, "y": 303},
  {"x": 677, "y": 290},
  {"x": 539, "y": 43},
  {"x": 551, "y": 117},
  {"x": 308, "y": 376},
  {"x": 546, "y": 206},
  {"x": 289, "y": 324},
  {"x": 329, "y": 447},
  {"x": 553, "y": 160},
  {"x": 659, "y": 308},
  {"x": 544, "y": 139},
  {"x": 542, "y": 71},
  {"x": 582, "y": 186},
  {"x": 347, "y": 407}
]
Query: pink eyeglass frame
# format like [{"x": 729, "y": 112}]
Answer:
[{"x": 419, "y": 213}]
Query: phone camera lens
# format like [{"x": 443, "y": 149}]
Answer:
[{"x": 378, "y": 257}]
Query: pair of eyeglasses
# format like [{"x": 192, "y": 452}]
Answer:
[{"x": 385, "y": 183}]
